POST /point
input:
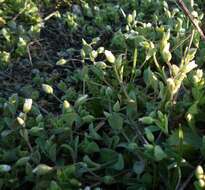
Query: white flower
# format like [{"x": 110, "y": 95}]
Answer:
[{"x": 27, "y": 105}]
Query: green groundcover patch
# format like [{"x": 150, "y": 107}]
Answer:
[{"x": 101, "y": 95}]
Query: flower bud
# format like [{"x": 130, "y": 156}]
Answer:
[
  {"x": 5, "y": 168},
  {"x": 192, "y": 3},
  {"x": 42, "y": 169},
  {"x": 101, "y": 65},
  {"x": 129, "y": 19},
  {"x": 190, "y": 66},
  {"x": 66, "y": 104},
  {"x": 189, "y": 117},
  {"x": 147, "y": 120},
  {"x": 175, "y": 69},
  {"x": 61, "y": 62},
  {"x": 27, "y": 105},
  {"x": 93, "y": 54},
  {"x": 109, "y": 56},
  {"x": 2, "y": 22},
  {"x": 101, "y": 50},
  {"x": 194, "y": 14},
  {"x": 171, "y": 85},
  {"x": 196, "y": 79},
  {"x": 199, "y": 171},
  {"x": 201, "y": 183},
  {"x": 199, "y": 73},
  {"x": 167, "y": 56},
  {"x": 20, "y": 121},
  {"x": 47, "y": 88}
]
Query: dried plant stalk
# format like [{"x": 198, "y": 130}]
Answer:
[{"x": 191, "y": 18}]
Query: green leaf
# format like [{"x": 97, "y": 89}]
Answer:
[
  {"x": 138, "y": 167},
  {"x": 22, "y": 161},
  {"x": 54, "y": 186},
  {"x": 159, "y": 154},
  {"x": 108, "y": 155},
  {"x": 90, "y": 147},
  {"x": 119, "y": 165},
  {"x": 115, "y": 121}
]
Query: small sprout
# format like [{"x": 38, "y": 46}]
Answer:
[
  {"x": 47, "y": 88},
  {"x": 109, "y": 56},
  {"x": 27, "y": 105}
]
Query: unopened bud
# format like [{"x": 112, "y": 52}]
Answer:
[
  {"x": 147, "y": 120},
  {"x": 47, "y": 88},
  {"x": 129, "y": 19},
  {"x": 27, "y": 105},
  {"x": 201, "y": 183},
  {"x": 171, "y": 85},
  {"x": 20, "y": 121},
  {"x": 199, "y": 171},
  {"x": 109, "y": 56}
]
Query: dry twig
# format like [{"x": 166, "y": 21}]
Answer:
[{"x": 191, "y": 18}]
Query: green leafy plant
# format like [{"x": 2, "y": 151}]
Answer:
[{"x": 112, "y": 97}]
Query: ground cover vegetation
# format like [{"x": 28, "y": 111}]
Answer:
[{"x": 102, "y": 94}]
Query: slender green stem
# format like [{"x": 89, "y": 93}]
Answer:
[
  {"x": 134, "y": 64},
  {"x": 120, "y": 82},
  {"x": 57, "y": 98}
]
